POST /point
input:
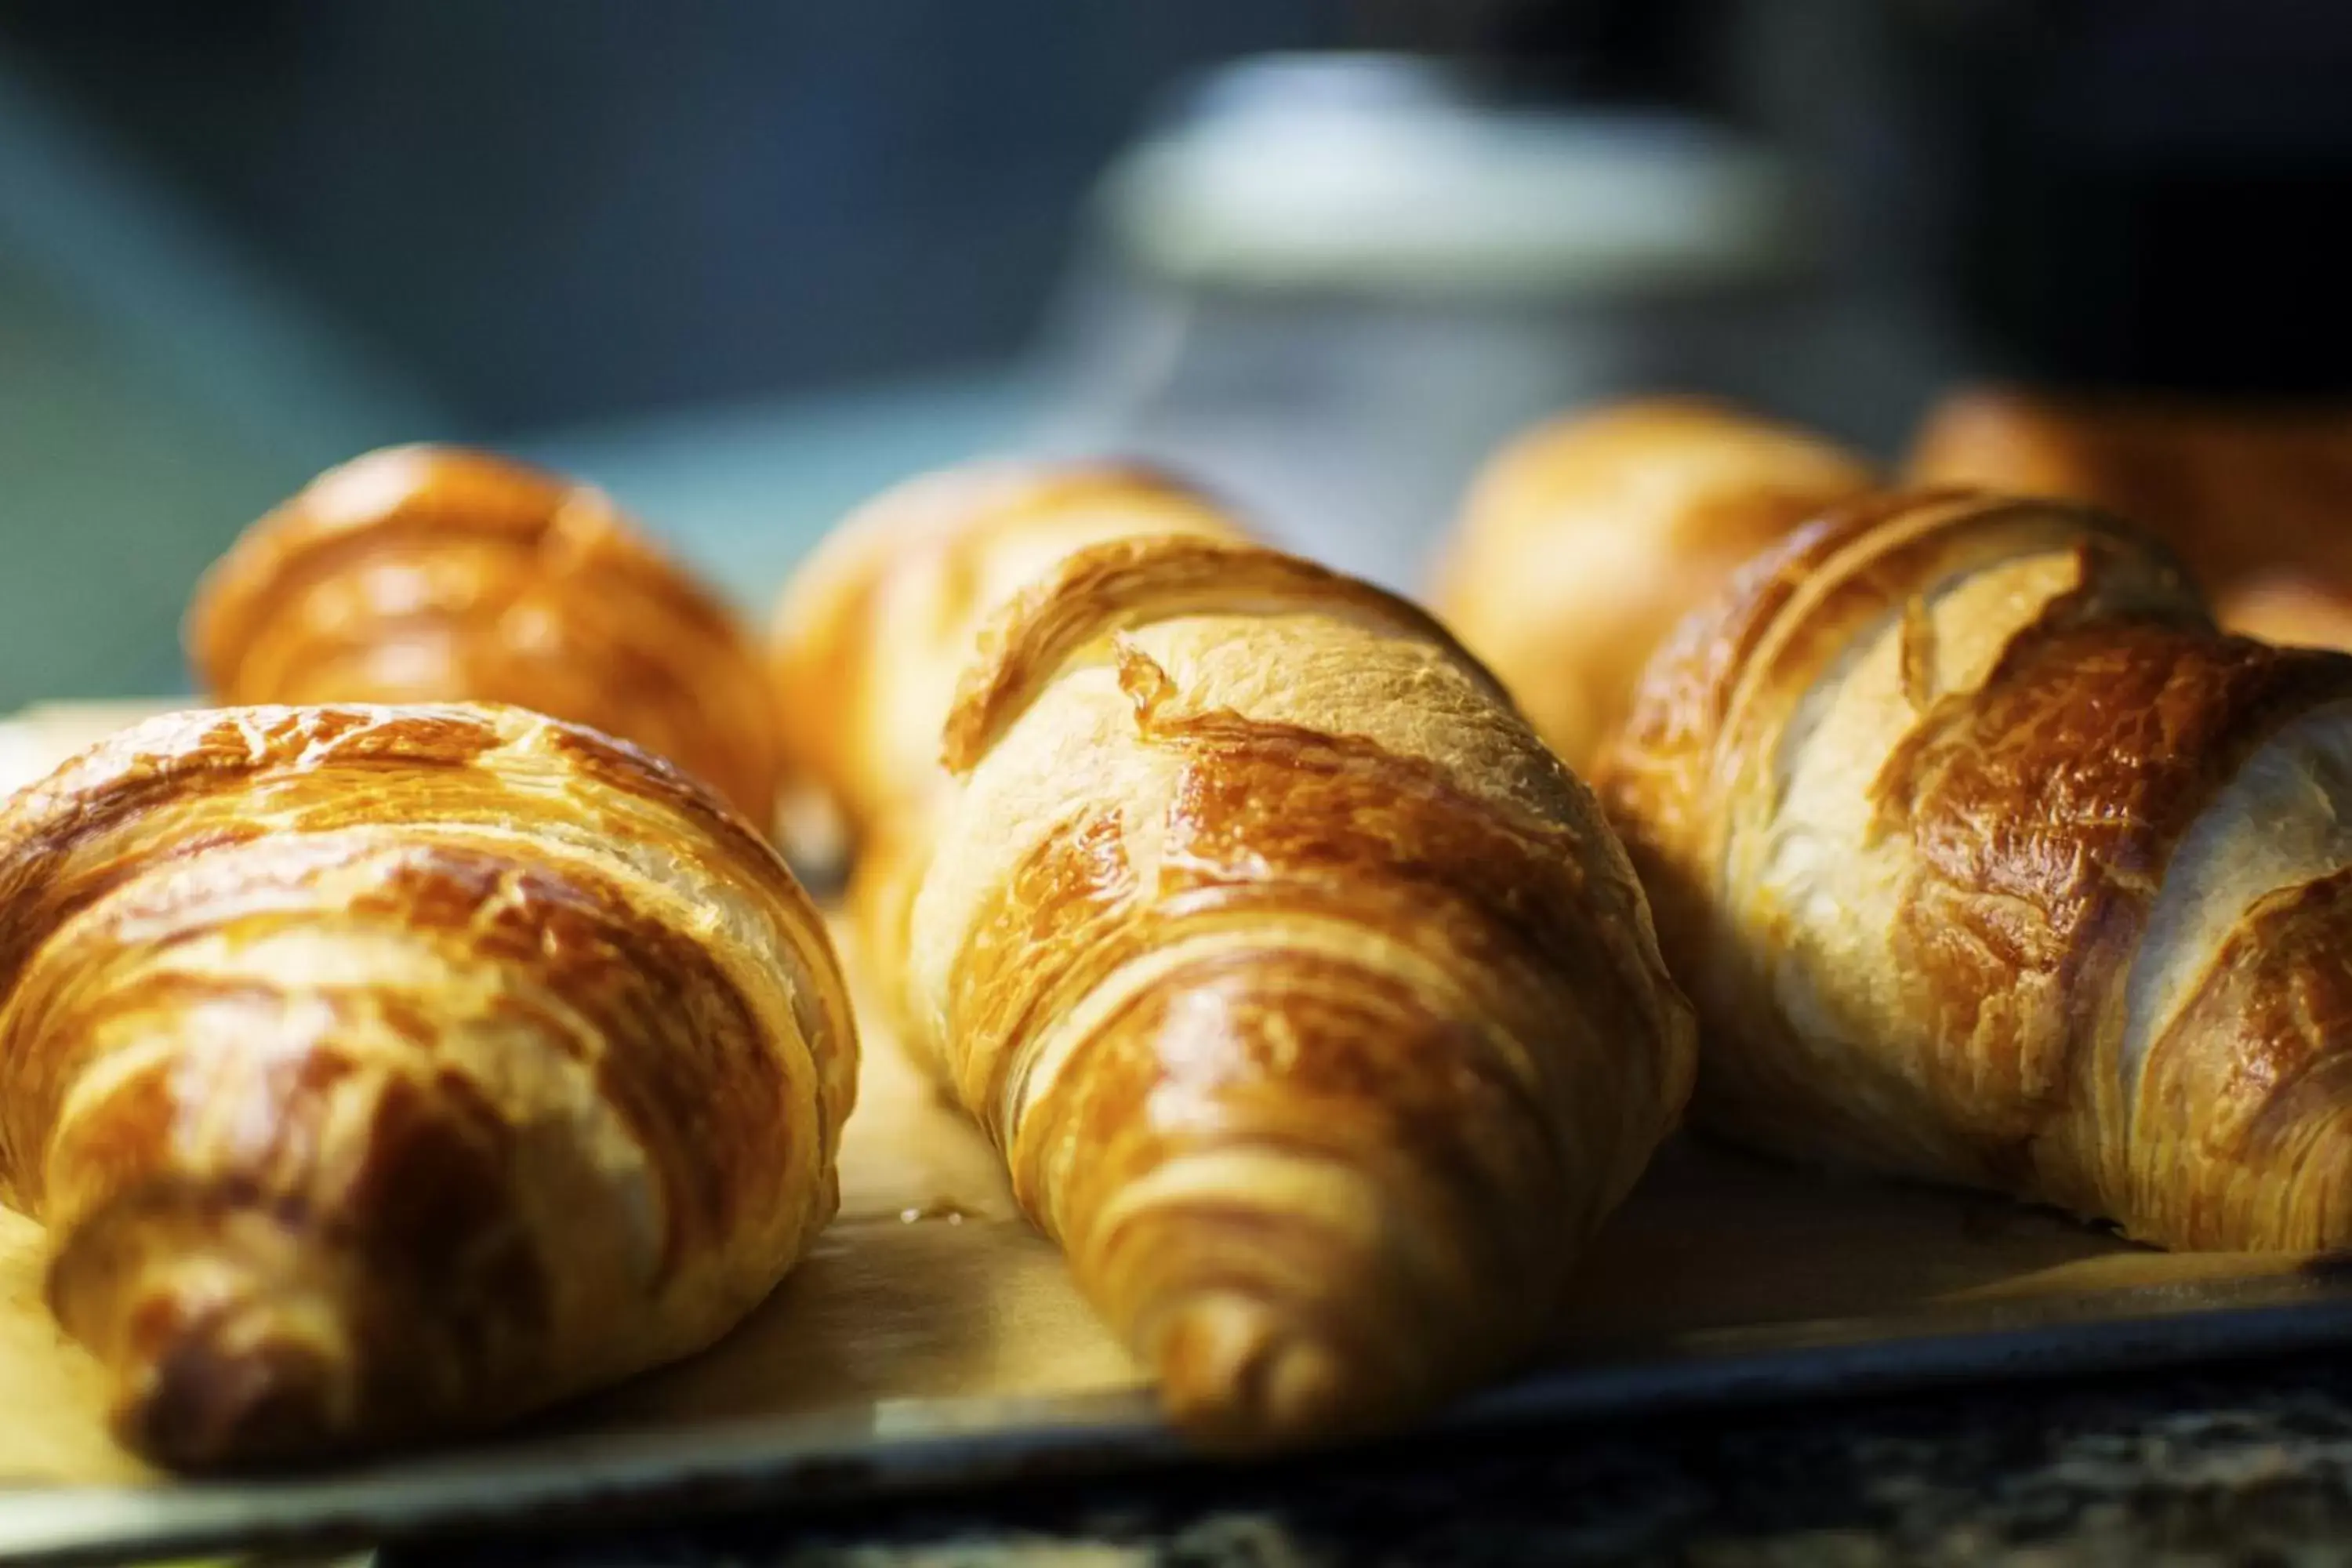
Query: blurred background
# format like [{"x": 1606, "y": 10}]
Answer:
[{"x": 743, "y": 265}]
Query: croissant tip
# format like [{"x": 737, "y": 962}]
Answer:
[
  {"x": 1237, "y": 1373},
  {"x": 220, "y": 1360},
  {"x": 205, "y": 1402}
]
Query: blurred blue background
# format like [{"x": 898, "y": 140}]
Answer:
[
  {"x": 239, "y": 241},
  {"x": 744, "y": 264}
]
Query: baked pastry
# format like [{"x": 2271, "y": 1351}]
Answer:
[
  {"x": 430, "y": 573},
  {"x": 382, "y": 1073},
  {"x": 2290, "y": 607},
  {"x": 1315, "y": 1010},
  {"x": 873, "y": 629},
  {"x": 2253, "y": 500},
  {"x": 1585, "y": 539},
  {"x": 1987, "y": 858}
]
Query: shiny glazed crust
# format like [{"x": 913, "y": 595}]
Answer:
[
  {"x": 873, "y": 631},
  {"x": 382, "y": 1073},
  {"x": 2255, "y": 501},
  {"x": 1315, "y": 1011},
  {"x": 1584, "y": 541},
  {"x": 432, "y": 573},
  {"x": 1987, "y": 858}
]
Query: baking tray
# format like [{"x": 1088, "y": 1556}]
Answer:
[{"x": 932, "y": 1338}]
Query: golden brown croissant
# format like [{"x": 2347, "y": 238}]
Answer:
[
  {"x": 1586, "y": 540},
  {"x": 1987, "y": 858},
  {"x": 873, "y": 631},
  {"x": 2290, "y": 607},
  {"x": 429, "y": 573},
  {"x": 2255, "y": 501},
  {"x": 385, "y": 1072},
  {"x": 1315, "y": 1011}
]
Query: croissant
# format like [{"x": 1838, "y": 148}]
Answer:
[
  {"x": 430, "y": 573},
  {"x": 2255, "y": 501},
  {"x": 1987, "y": 858},
  {"x": 874, "y": 628},
  {"x": 380, "y": 1073},
  {"x": 871, "y": 632},
  {"x": 1315, "y": 1010},
  {"x": 1585, "y": 539},
  {"x": 2291, "y": 607}
]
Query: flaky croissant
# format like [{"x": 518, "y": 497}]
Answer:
[
  {"x": 384, "y": 1072},
  {"x": 432, "y": 574},
  {"x": 2253, "y": 500},
  {"x": 1988, "y": 859},
  {"x": 1315, "y": 1010},
  {"x": 1585, "y": 539},
  {"x": 873, "y": 631}
]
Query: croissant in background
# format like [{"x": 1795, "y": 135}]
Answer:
[
  {"x": 873, "y": 631},
  {"x": 1585, "y": 539},
  {"x": 2256, "y": 502},
  {"x": 1987, "y": 858},
  {"x": 1315, "y": 1011},
  {"x": 384, "y": 1073},
  {"x": 429, "y": 573}
]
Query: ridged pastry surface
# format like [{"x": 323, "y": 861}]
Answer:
[
  {"x": 2253, "y": 500},
  {"x": 1988, "y": 859},
  {"x": 1315, "y": 1009},
  {"x": 1585, "y": 539},
  {"x": 436, "y": 573},
  {"x": 380, "y": 1073},
  {"x": 873, "y": 631}
]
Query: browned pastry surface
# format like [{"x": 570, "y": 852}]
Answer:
[
  {"x": 1987, "y": 858},
  {"x": 2259, "y": 503},
  {"x": 380, "y": 1073},
  {"x": 873, "y": 631},
  {"x": 1585, "y": 539},
  {"x": 1315, "y": 1011},
  {"x": 431, "y": 574}
]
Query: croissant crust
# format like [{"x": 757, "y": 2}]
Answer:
[
  {"x": 1316, "y": 1012},
  {"x": 1586, "y": 539},
  {"x": 1987, "y": 858},
  {"x": 873, "y": 632},
  {"x": 2251, "y": 499},
  {"x": 380, "y": 1073},
  {"x": 873, "y": 629},
  {"x": 430, "y": 573}
]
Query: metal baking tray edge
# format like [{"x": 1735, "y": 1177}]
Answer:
[{"x": 911, "y": 1446}]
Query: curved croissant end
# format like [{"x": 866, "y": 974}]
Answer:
[
  {"x": 1585, "y": 539},
  {"x": 2290, "y": 608},
  {"x": 871, "y": 632},
  {"x": 431, "y": 574},
  {"x": 1129, "y": 583},
  {"x": 1316, "y": 1012},
  {"x": 1988, "y": 859},
  {"x": 869, "y": 639},
  {"x": 380, "y": 1073},
  {"x": 2253, "y": 499}
]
